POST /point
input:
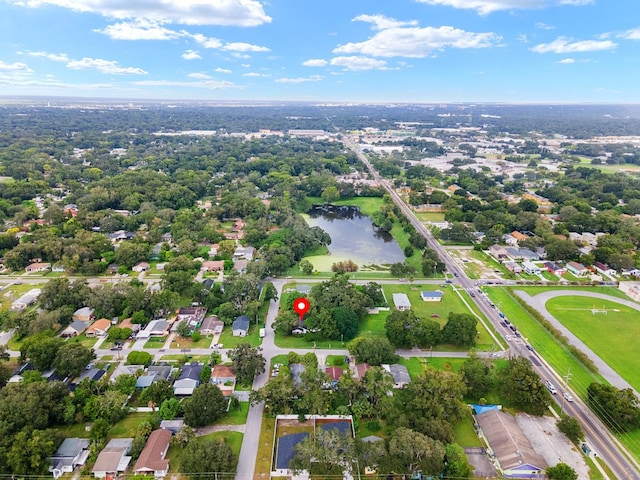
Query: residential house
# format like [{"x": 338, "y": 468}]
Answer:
[
  {"x": 519, "y": 236},
  {"x": 513, "y": 267},
  {"x": 507, "y": 443},
  {"x": 84, "y": 314},
  {"x": 155, "y": 328},
  {"x": 244, "y": 253},
  {"x": 212, "y": 266},
  {"x": 360, "y": 369},
  {"x": 211, "y": 326},
  {"x": 26, "y": 300},
  {"x": 577, "y": 269},
  {"x": 141, "y": 267},
  {"x": 401, "y": 301},
  {"x": 225, "y": 378},
  {"x": 498, "y": 252},
  {"x": 530, "y": 268},
  {"x": 120, "y": 236},
  {"x": 174, "y": 426},
  {"x": 634, "y": 272},
  {"x": 74, "y": 329},
  {"x": 37, "y": 267},
  {"x": 525, "y": 254},
  {"x": 399, "y": 373},
  {"x": 240, "y": 326},
  {"x": 126, "y": 323},
  {"x": 431, "y": 296},
  {"x": 57, "y": 268},
  {"x": 188, "y": 380},
  {"x": 154, "y": 374},
  {"x": 152, "y": 458},
  {"x": 240, "y": 265},
  {"x": 554, "y": 268},
  {"x": 167, "y": 238},
  {"x": 71, "y": 453},
  {"x": 509, "y": 239},
  {"x": 208, "y": 283},
  {"x": 113, "y": 459},
  {"x": 604, "y": 268},
  {"x": 334, "y": 373},
  {"x": 94, "y": 374},
  {"x": 99, "y": 328}
]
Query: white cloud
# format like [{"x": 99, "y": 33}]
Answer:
[
  {"x": 312, "y": 78},
  {"x": 633, "y": 34},
  {"x": 103, "y": 66},
  {"x": 567, "y": 60},
  {"x": 222, "y": 70},
  {"x": 243, "y": 13},
  {"x": 139, "y": 29},
  {"x": 544, "y": 26},
  {"x": 523, "y": 38},
  {"x": 316, "y": 62},
  {"x": 199, "y": 76},
  {"x": 191, "y": 55},
  {"x": 14, "y": 67},
  {"x": 418, "y": 42},
  {"x": 244, "y": 47},
  {"x": 484, "y": 7},
  {"x": 358, "y": 63},
  {"x": 242, "y": 56},
  {"x": 567, "y": 45},
  {"x": 210, "y": 84},
  {"x": 56, "y": 57},
  {"x": 382, "y": 22},
  {"x": 256, "y": 74},
  {"x": 207, "y": 42}
]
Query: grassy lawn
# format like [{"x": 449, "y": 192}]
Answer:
[
  {"x": 465, "y": 434},
  {"x": 620, "y": 327},
  {"x": 488, "y": 324},
  {"x": 182, "y": 342},
  {"x": 88, "y": 342},
  {"x": 237, "y": 417},
  {"x": 417, "y": 365},
  {"x": 155, "y": 342},
  {"x": 613, "y": 291},
  {"x": 233, "y": 438},
  {"x": 14, "y": 292},
  {"x": 229, "y": 341},
  {"x": 302, "y": 342},
  {"x": 430, "y": 216},
  {"x": 554, "y": 352},
  {"x": 265, "y": 448},
  {"x": 374, "y": 324},
  {"x": 128, "y": 426}
]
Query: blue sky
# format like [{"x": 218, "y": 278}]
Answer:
[{"x": 329, "y": 50}]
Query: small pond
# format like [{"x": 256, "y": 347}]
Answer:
[{"x": 353, "y": 237}]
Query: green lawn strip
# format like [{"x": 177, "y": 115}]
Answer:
[
  {"x": 373, "y": 324},
  {"x": 613, "y": 291},
  {"x": 553, "y": 351},
  {"x": 233, "y": 438},
  {"x": 417, "y": 365},
  {"x": 300, "y": 341},
  {"x": 155, "y": 342},
  {"x": 265, "y": 448},
  {"x": 465, "y": 434},
  {"x": 283, "y": 359},
  {"x": 182, "y": 357},
  {"x": 187, "y": 342},
  {"x": 236, "y": 417},
  {"x": 335, "y": 361},
  {"x": 229, "y": 341},
  {"x": 600, "y": 332},
  {"x": 430, "y": 216}
]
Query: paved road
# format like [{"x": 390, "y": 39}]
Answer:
[
  {"x": 539, "y": 303},
  {"x": 597, "y": 435}
]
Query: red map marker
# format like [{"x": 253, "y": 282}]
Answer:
[{"x": 301, "y": 306}]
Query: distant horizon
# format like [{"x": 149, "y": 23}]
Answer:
[
  {"x": 16, "y": 99},
  {"x": 406, "y": 51}
]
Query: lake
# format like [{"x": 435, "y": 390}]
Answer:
[{"x": 353, "y": 237}]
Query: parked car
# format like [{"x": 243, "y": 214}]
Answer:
[{"x": 568, "y": 397}]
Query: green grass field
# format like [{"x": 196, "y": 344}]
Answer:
[
  {"x": 554, "y": 352},
  {"x": 229, "y": 341},
  {"x": 613, "y": 337}
]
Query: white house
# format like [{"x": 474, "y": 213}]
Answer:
[
  {"x": 113, "y": 459},
  {"x": 71, "y": 453},
  {"x": 240, "y": 326},
  {"x": 531, "y": 268},
  {"x": 431, "y": 296},
  {"x": 401, "y": 301},
  {"x": 577, "y": 268}
]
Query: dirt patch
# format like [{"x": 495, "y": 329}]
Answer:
[
  {"x": 473, "y": 267},
  {"x": 551, "y": 444}
]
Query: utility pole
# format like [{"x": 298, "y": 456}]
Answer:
[{"x": 567, "y": 377}]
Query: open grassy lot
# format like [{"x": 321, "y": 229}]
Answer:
[
  {"x": 236, "y": 417},
  {"x": 417, "y": 365},
  {"x": 265, "y": 448},
  {"x": 613, "y": 337},
  {"x": 465, "y": 434},
  {"x": 229, "y": 341},
  {"x": 451, "y": 302},
  {"x": 554, "y": 352},
  {"x": 613, "y": 291},
  {"x": 233, "y": 438},
  {"x": 430, "y": 216}
]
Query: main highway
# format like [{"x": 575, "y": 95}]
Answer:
[{"x": 597, "y": 436}]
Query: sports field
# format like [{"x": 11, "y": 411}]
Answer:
[{"x": 610, "y": 329}]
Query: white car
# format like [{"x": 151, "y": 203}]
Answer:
[{"x": 568, "y": 397}]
